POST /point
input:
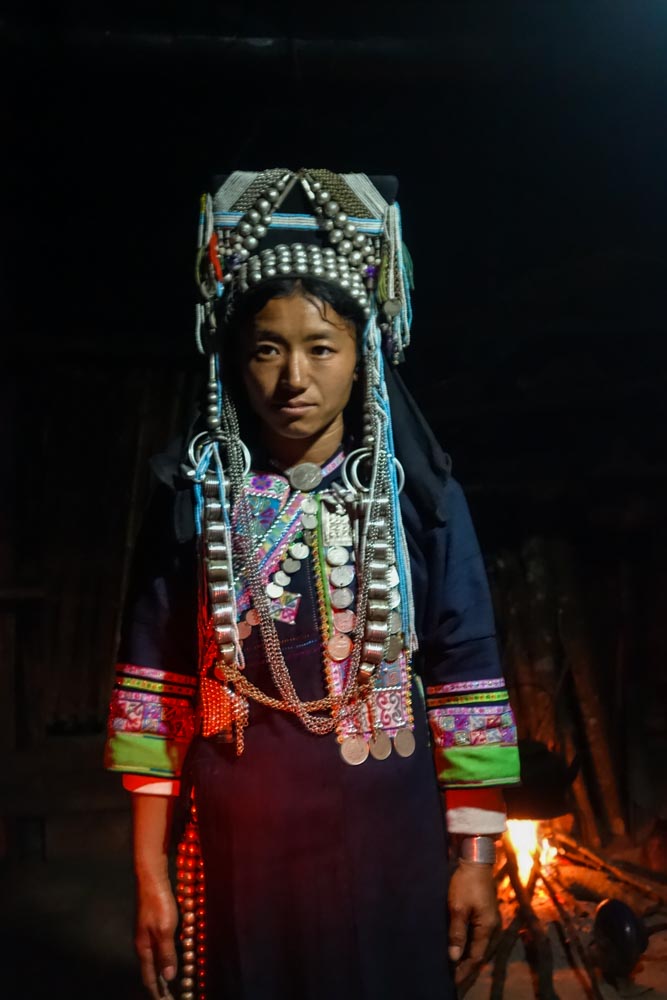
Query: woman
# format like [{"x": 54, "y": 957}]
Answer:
[{"x": 289, "y": 698}]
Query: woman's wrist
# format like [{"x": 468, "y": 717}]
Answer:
[{"x": 474, "y": 848}]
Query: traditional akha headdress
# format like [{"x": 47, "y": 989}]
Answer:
[{"x": 344, "y": 229}]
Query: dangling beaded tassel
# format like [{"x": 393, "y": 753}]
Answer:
[{"x": 191, "y": 898}]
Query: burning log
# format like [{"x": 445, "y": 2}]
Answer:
[
  {"x": 507, "y": 941},
  {"x": 618, "y": 873},
  {"x": 544, "y": 987},
  {"x": 573, "y": 936}
]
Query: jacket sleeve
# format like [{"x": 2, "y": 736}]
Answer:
[
  {"x": 470, "y": 717},
  {"x": 152, "y": 713}
]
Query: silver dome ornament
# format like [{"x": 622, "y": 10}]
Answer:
[
  {"x": 259, "y": 231},
  {"x": 345, "y": 246},
  {"x": 273, "y": 194},
  {"x": 328, "y": 225},
  {"x": 341, "y": 220},
  {"x": 301, "y": 268},
  {"x": 355, "y": 258},
  {"x": 350, "y": 229},
  {"x": 316, "y": 186},
  {"x": 253, "y": 216},
  {"x": 263, "y": 206},
  {"x": 331, "y": 209},
  {"x": 250, "y": 243},
  {"x": 284, "y": 268},
  {"x": 270, "y": 272},
  {"x": 336, "y": 236},
  {"x": 245, "y": 228},
  {"x": 322, "y": 197},
  {"x": 359, "y": 240}
]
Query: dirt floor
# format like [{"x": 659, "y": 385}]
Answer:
[{"x": 67, "y": 931}]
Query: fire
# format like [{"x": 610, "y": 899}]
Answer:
[{"x": 526, "y": 841}]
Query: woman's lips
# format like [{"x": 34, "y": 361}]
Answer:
[{"x": 294, "y": 409}]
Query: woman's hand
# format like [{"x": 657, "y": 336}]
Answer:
[
  {"x": 157, "y": 919},
  {"x": 157, "y": 913},
  {"x": 473, "y": 914}
]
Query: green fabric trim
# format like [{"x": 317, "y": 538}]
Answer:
[
  {"x": 143, "y": 753},
  {"x": 475, "y": 767}
]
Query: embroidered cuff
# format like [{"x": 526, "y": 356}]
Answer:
[
  {"x": 151, "y": 721},
  {"x": 474, "y": 733}
]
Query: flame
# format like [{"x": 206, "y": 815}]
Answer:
[{"x": 526, "y": 841}]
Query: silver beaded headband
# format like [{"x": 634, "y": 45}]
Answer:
[{"x": 352, "y": 238}]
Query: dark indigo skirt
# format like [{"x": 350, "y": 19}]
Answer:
[{"x": 324, "y": 881}]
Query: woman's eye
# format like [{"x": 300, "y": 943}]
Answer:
[
  {"x": 322, "y": 350},
  {"x": 266, "y": 351}
]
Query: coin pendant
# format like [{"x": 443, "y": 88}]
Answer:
[
  {"x": 245, "y": 628},
  {"x": 274, "y": 590},
  {"x": 252, "y": 616},
  {"x": 404, "y": 743},
  {"x": 354, "y": 749},
  {"x": 380, "y": 747},
  {"x": 309, "y": 505},
  {"x": 394, "y": 647},
  {"x": 309, "y": 521},
  {"x": 342, "y": 576},
  {"x": 299, "y": 550},
  {"x": 337, "y": 555},
  {"x": 305, "y": 477},
  {"x": 394, "y": 599},
  {"x": 281, "y": 578},
  {"x": 395, "y": 621},
  {"x": 342, "y": 598},
  {"x": 339, "y": 646},
  {"x": 344, "y": 621},
  {"x": 291, "y": 565}
]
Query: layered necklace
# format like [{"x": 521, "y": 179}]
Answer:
[{"x": 349, "y": 537}]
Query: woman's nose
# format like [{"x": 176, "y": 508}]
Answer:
[{"x": 294, "y": 373}]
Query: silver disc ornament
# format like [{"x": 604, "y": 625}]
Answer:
[
  {"x": 305, "y": 477},
  {"x": 354, "y": 749},
  {"x": 380, "y": 747},
  {"x": 404, "y": 743}
]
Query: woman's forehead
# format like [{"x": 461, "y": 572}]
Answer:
[{"x": 298, "y": 313}]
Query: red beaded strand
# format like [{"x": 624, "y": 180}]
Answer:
[{"x": 191, "y": 897}]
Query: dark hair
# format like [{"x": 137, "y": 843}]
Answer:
[{"x": 252, "y": 302}]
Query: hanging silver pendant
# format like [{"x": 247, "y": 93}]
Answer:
[
  {"x": 404, "y": 743},
  {"x": 380, "y": 747},
  {"x": 354, "y": 750}
]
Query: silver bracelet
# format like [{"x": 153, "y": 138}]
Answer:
[{"x": 480, "y": 849}]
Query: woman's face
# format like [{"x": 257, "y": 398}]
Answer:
[{"x": 298, "y": 366}]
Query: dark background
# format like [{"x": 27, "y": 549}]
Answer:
[{"x": 530, "y": 143}]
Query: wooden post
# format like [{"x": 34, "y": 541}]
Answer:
[{"x": 577, "y": 649}]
